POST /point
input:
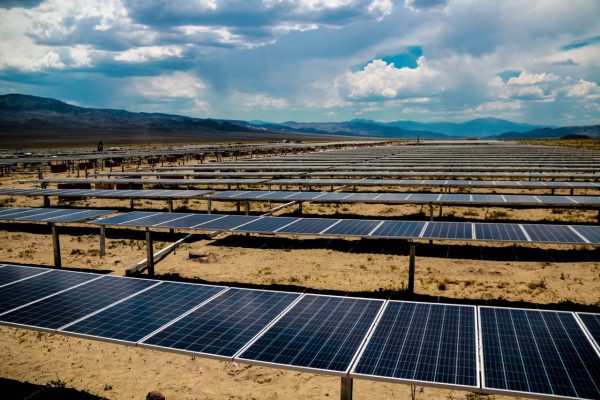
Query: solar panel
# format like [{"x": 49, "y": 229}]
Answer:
[
  {"x": 537, "y": 352},
  {"x": 266, "y": 224},
  {"x": 591, "y": 233},
  {"x": 13, "y": 273},
  {"x": 448, "y": 230},
  {"x": 591, "y": 323},
  {"x": 20, "y": 293},
  {"x": 308, "y": 226},
  {"x": 189, "y": 221},
  {"x": 421, "y": 342},
  {"x": 319, "y": 333},
  {"x": 157, "y": 219},
  {"x": 139, "y": 316},
  {"x": 116, "y": 220},
  {"x": 499, "y": 232},
  {"x": 68, "y": 306},
  {"x": 304, "y": 195},
  {"x": 348, "y": 227},
  {"x": 399, "y": 229},
  {"x": 552, "y": 234},
  {"x": 228, "y": 222},
  {"x": 77, "y": 215},
  {"x": 221, "y": 327}
]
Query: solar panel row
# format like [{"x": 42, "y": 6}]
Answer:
[
  {"x": 462, "y": 231},
  {"x": 545, "y": 353},
  {"x": 50, "y": 214},
  {"x": 407, "y": 198},
  {"x": 112, "y": 194}
]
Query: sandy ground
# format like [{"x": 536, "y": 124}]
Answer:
[{"x": 531, "y": 275}]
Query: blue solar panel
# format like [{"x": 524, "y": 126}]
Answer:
[
  {"x": 487, "y": 198},
  {"x": 118, "y": 219},
  {"x": 424, "y": 197},
  {"x": 537, "y": 352},
  {"x": 224, "y": 325},
  {"x": 399, "y": 229},
  {"x": 13, "y": 273},
  {"x": 304, "y": 195},
  {"x": 552, "y": 234},
  {"x": 308, "y": 226},
  {"x": 591, "y": 233},
  {"x": 20, "y": 293},
  {"x": 66, "y": 307},
  {"x": 139, "y": 316},
  {"x": 500, "y": 232},
  {"x": 189, "y": 221},
  {"x": 420, "y": 342},
  {"x": 266, "y": 224},
  {"x": 318, "y": 333},
  {"x": 517, "y": 198},
  {"x": 78, "y": 215},
  {"x": 349, "y": 227},
  {"x": 42, "y": 214},
  {"x": 462, "y": 198},
  {"x": 448, "y": 230},
  {"x": 229, "y": 222},
  {"x": 393, "y": 197},
  {"x": 9, "y": 212},
  {"x": 152, "y": 220},
  {"x": 592, "y": 324}
]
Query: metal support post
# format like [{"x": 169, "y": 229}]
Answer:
[
  {"x": 247, "y": 207},
  {"x": 170, "y": 205},
  {"x": 300, "y": 207},
  {"x": 431, "y": 212},
  {"x": 102, "y": 240},
  {"x": 411, "y": 269},
  {"x": 131, "y": 203},
  {"x": 46, "y": 201},
  {"x": 346, "y": 388},
  {"x": 440, "y": 214},
  {"x": 209, "y": 206},
  {"x": 237, "y": 206},
  {"x": 56, "y": 246},
  {"x": 149, "y": 253}
]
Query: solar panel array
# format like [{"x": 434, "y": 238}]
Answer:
[
  {"x": 107, "y": 194},
  {"x": 436, "y": 182},
  {"x": 522, "y": 352},
  {"x": 50, "y": 214},
  {"x": 409, "y": 198},
  {"x": 461, "y": 231}
]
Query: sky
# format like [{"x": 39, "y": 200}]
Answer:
[{"x": 310, "y": 60}]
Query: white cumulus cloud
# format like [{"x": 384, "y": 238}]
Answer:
[{"x": 176, "y": 85}]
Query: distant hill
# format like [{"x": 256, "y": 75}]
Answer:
[
  {"x": 31, "y": 120},
  {"x": 479, "y": 127},
  {"x": 27, "y": 120},
  {"x": 592, "y": 131}
]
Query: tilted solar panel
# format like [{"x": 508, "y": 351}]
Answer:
[
  {"x": 423, "y": 342},
  {"x": 135, "y": 318},
  {"x": 353, "y": 228},
  {"x": 499, "y": 232},
  {"x": 13, "y": 273},
  {"x": 537, "y": 352},
  {"x": 266, "y": 224},
  {"x": 591, "y": 233},
  {"x": 448, "y": 230},
  {"x": 308, "y": 226},
  {"x": 20, "y": 293},
  {"x": 552, "y": 234},
  {"x": 118, "y": 219},
  {"x": 68, "y": 306},
  {"x": 157, "y": 219},
  {"x": 319, "y": 333},
  {"x": 591, "y": 321},
  {"x": 399, "y": 229},
  {"x": 224, "y": 325}
]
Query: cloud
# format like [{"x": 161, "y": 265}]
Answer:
[
  {"x": 143, "y": 54},
  {"x": 252, "y": 101},
  {"x": 425, "y": 4},
  {"x": 379, "y": 80},
  {"x": 176, "y": 85},
  {"x": 584, "y": 89},
  {"x": 525, "y": 78}
]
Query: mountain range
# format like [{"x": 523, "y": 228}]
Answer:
[{"x": 26, "y": 119}]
